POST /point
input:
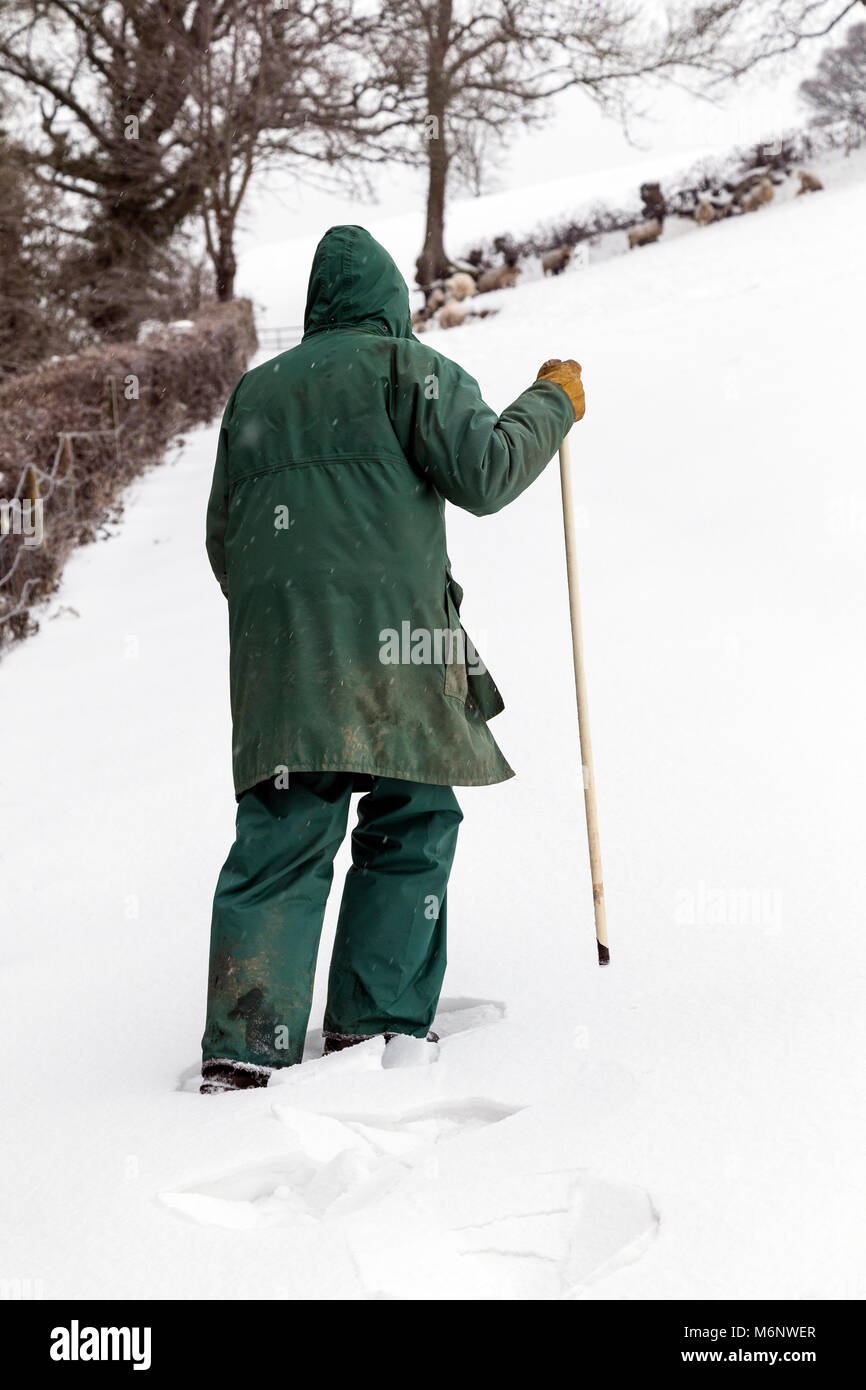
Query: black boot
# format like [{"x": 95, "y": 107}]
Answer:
[
  {"x": 224, "y": 1074},
  {"x": 337, "y": 1042}
]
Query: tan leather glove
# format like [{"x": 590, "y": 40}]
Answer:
[{"x": 566, "y": 375}]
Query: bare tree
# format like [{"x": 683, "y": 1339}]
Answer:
[
  {"x": 838, "y": 89},
  {"x": 750, "y": 32},
  {"x": 270, "y": 91},
  {"x": 445, "y": 81},
  {"x": 153, "y": 111},
  {"x": 110, "y": 81}
]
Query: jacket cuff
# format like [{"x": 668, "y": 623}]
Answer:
[{"x": 561, "y": 398}]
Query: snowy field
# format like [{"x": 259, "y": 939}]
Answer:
[
  {"x": 686, "y": 1124},
  {"x": 274, "y": 273}
]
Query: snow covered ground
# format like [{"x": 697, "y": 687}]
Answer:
[{"x": 686, "y": 1124}]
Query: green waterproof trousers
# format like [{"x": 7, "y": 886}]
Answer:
[{"x": 389, "y": 955}]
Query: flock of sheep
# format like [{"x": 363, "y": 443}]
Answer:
[
  {"x": 752, "y": 193},
  {"x": 449, "y": 299}
]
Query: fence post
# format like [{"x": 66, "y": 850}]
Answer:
[
  {"x": 31, "y": 485},
  {"x": 115, "y": 415}
]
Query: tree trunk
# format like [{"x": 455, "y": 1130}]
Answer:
[
  {"x": 225, "y": 265},
  {"x": 225, "y": 279},
  {"x": 432, "y": 263}
]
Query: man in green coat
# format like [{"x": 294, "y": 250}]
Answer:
[{"x": 349, "y": 668}]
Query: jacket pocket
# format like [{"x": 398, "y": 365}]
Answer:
[{"x": 472, "y": 683}]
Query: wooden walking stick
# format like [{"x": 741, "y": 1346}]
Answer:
[{"x": 583, "y": 706}]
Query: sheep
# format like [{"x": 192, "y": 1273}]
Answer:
[
  {"x": 653, "y": 204},
  {"x": 762, "y": 193},
  {"x": 503, "y": 278},
  {"x": 809, "y": 183},
  {"x": 460, "y": 285},
  {"x": 705, "y": 213},
  {"x": 555, "y": 261},
  {"x": 747, "y": 183},
  {"x": 644, "y": 233},
  {"x": 421, "y": 317},
  {"x": 452, "y": 314}
]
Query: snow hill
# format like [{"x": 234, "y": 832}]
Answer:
[{"x": 688, "y": 1123}]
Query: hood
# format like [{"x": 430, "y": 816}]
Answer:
[{"x": 355, "y": 282}]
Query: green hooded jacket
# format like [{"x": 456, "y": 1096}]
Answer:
[{"x": 326, "y": 531}]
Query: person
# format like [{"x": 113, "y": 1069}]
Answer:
[{"x": 349, "y": 668}]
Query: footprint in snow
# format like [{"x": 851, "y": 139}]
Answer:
[
  {"x": 600, "y": 1227},
  {"x": 533, "y": 1235},
  {"x": 434, "y": 1204},
  {"x": 462, "y": 1015},
  {"x": 451, "y": 1180},
  {"x": 337, "y": 1163}
]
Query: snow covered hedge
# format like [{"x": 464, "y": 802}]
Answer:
[
  {"x": 76, "y": 430},
  {"x": 714, "y": 175}
]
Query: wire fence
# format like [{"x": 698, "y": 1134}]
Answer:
[
  {"x": 75, "y": 432},
  {"x": 285, "y": 336},
  {"x": 40, "y": 485}
]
